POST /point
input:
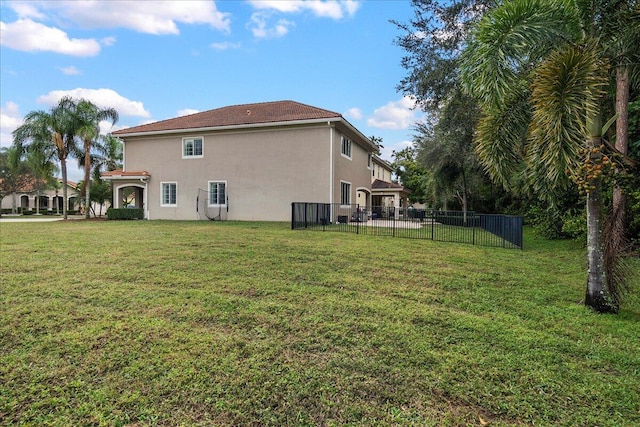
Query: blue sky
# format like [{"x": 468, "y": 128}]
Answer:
[{"x": 153, "y": 60}]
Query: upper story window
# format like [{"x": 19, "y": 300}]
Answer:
[
  {"x": 369, "y": 160},
  {"x": 346, "y": 147},
  {"x": 192, "y": 148}
]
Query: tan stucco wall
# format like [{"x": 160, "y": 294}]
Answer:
[
  {"x": 265, "y": 170},
  {"x": 354, "y": 170}
]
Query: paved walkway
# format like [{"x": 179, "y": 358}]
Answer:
[{"x": 36, "y": 218}]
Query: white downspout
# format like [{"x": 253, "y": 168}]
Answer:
[{"x": 330, "y": 162}]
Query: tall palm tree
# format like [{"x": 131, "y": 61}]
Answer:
[
  {"x": 40, "y": 161},
  {"x": 88, "y": 117},
  {"x": 540, "y": 71},
  {"x": 55, "y": 128}
]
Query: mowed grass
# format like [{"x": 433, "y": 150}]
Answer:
[{"x": 251, "y": 324}]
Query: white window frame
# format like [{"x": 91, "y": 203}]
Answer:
[
  {"x": 162, "y": 203},
  {"x": 342, "y": 183},
  {"x": 346, "y": 146},
  {"x": 192, "y": 139},
  {"x": 369, "y": 160},
  {"x": 218, "y": 181}
]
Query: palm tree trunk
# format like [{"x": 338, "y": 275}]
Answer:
[
  {"x": 87, "y": 176},
  {"x": 597, "y": 296},
  {"x": 63, "y": 168},
  {"x": 622, "y": 139}
]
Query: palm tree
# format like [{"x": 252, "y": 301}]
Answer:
[
  {"x": 54, "y": 128},
  {"x": 88, "y": 117},
  {"x": 540, "y": 71},
  {"x": 40, "y": 161},
  {"x": 109, "y": 157}
]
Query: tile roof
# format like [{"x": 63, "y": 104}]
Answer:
[
  {"x": 120, "y": 172},
  {"x": 246, "y": 114},
  {"x": 379, "y": 184}
]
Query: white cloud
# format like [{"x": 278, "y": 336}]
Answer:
[
  {"x": 353, "y": 113},
  {"x": 225, "y": 45},
  {"x": 394, "y": 115},
  {"x": 104, "y": 98},
  {"x": 153, "y": 17},
  {"x": 27, "y": 35},
  {"x": 334, "y": 9},
  {"x": 259, "y": 28},
  {"x": 108, "y": 41},
  {"x": 187, "y": 111},
  {"x": 70, "y": 70},
  {"x": 26, "y": 10},
  {"x": 10, "y": 119},
  {"x": 387, "y": 152}
]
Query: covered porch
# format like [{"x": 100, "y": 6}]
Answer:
[
  {"x": 388, "y": 198},
  {"x": 129, "y": 189}
]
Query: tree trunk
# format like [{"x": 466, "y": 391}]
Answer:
[
  {"x": 87, "y": 176},
  {"x": 622, "y": 139},
  {"x": 596, "y": 296},
  {"x": 14, "y": 210},
  {"x": 63, "y": 168}
]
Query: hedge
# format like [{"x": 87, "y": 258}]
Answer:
[{"x": 125, "y": 213}]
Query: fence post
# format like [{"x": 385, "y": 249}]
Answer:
[
  {"x": 433, "y": 220},
  {"x": 306, "y": 207},
  {"x": 473, "y": 230}
]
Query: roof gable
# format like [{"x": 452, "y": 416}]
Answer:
[{"x": 235, "y": 115}]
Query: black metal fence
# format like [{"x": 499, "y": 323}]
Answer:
[{"x": 445, "y": 226}]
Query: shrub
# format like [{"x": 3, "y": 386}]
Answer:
[{"x": 124, "y": 213}]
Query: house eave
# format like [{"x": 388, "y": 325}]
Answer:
[
  {"x": 327, "y": 120},
  {"x": 231, "y": 127}
]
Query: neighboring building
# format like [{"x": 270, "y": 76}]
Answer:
[
  {"x": 243, "y": 162},
  {"x": 49, "y": 201},
  {"x": 385, "y": 193}
]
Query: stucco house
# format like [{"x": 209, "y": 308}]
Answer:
[
  {"x": 243, "y": 162},
  {"x": 384, "y": 192},
  {"x": 50, "y": 199}
]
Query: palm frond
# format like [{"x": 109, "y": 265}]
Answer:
[
  {"x": 509, "y": 41},
  {"x": 500, "y": 137},
  {"x": 566, "y": 89}
]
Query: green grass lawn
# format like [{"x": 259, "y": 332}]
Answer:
[{"x": 199, "y": 323}]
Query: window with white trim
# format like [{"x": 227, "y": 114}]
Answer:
[
  {"x": 192, "y": 148},
  {"x": 169, "y": 194},
  {"x": 346, "y": 147},
  {"x": 217, "y": 193},
  {"x": 345, "y": 193},
  {"x": 369, "y": 160}
]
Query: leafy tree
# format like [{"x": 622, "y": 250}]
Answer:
[
  {"x": 539, "y": 70},
  {"x": 55, "y": 128},
  {"x": 100, "y": 194},
  {"x": 411, "y": 174},
  {"x": 377, "y": 141},
  {"x": 40, "y": 163},
  {"x": 14, "y": 174},
  {"x": 446, "y": 149},
  {"x": 88, "y": 117},
  {"x": 433, "y": 40}
]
